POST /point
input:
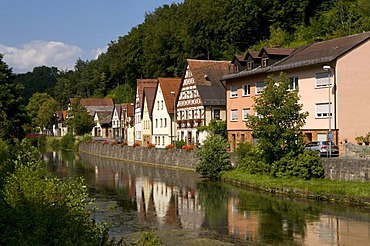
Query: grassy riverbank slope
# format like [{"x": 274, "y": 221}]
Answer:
[{"x": 350, "y": 192}]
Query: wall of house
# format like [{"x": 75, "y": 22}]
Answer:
[{"x": 353, "y": 88}]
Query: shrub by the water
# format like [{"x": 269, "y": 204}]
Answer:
[{"x": 68, "y": 142}]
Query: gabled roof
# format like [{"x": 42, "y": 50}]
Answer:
[
  {"x": 129, "y": 107},
  {"x": 252, "y": 54},
  {"x": 95, "y": 104},
  {"x": 276, "y": 51},
  {"x": 207, "y": 76},
  {"x": 105, "y": 117},
  {"x": 238, "y": 57},
  {"x": 118, "y": 109},
  {"x": 144, "y": 83},
  {"x": 169, "y": 85},
  {"x": 149, "y": 94},
  {"x": 312, "y": 54}
]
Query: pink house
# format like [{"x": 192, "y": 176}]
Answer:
[{"x": 332, "y": 77}]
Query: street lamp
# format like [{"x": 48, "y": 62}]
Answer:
[
  {"x": 330, "y": 134},
  {"x": 174, "y": 116}
]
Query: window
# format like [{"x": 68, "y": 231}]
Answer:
[
  {"x": 249, "y": 65},
  {"x": 293, "y": 84},
  {"x": 234, "y": 115},
  {"x": 161, "y": 122},
  {"x": 246, "y": 90},
  {"x": 157, "y": 105},
  {"x": 165, "y": 122},
  {"x": 233, "y": 91},
  {"x": 162, "y": 104},
  {"x": 156, "y": 123},
  {"x": 216, "y": 114},
  {"x": 322, "y": 110},
  {"x": 260, "y": 86},
  {"x": 322, "y": 79},
  {"x": 246, "y": 112},
  {"x": 264, "y": 62}
]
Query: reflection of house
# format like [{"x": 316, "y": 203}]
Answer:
[
  {"x": 190, "y": 211},
  {"x": 164, "y": 127},
  {"x": 342, "y": 100},
  {"x": 140, "y": 85},
  {"x": 242, "y": 224},
  {"x": 162, "y": 196},
  {"x": 201, "y": 98}
]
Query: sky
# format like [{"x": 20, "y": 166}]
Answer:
[{"x": 57, "y": 33}]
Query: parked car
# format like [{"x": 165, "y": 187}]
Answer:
[
  {"x": 119, "y": 140},
  {"x": 323, "y": 148}
]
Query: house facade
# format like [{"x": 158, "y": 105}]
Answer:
[
  {"x": 332, "y": 78},
  {"x": 140, "y": 85},
  {"x": 164, "y": 124},
  {"x": 201, "y": 98},
  {"x": 116, "y": 121},
  {"x": 127, "y": 123},
  {"x": 146, "y": 116}
]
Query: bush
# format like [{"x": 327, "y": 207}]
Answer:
[
  {"x": 305, "y": 166},
  {"x": 151, "y": 145},
  {"x": 188, "y": 147},
  {"x": 213, "y": 157},
  {"x": 179, "y": 144},
  {"x": 170, "y": 146},
  {"x": 41, "y": 142},
  {"x": 251, "y": 159},
  {"x": 136, "y": 145},
  {"x": 55, "y": 143},
  {"x": 87, "y": 138},
  {"x": 68, "y": 142}
]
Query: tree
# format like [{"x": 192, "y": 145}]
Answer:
[
  {"x": 79, "y": 119},
  {"x": 12, "y": 113},
  {"x": 34, "y": 105},
  {"x": 46, "y": 114},
  {"x": 213, "y": 157},
  {"x": 279, "y": 120}
]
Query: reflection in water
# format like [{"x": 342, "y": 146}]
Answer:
[{"x": 133, "y": 196}]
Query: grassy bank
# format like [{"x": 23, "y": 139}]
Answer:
[{"x": 353, "y": 193}]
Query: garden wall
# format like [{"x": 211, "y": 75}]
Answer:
[
  {"x": 342, "y": 168},
  {"x": 178, "y": 158}
]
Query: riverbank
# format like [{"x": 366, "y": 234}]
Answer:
[{"x": 344, "y": 192}]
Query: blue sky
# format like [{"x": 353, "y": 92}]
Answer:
[{"x": 56, "y": 33}]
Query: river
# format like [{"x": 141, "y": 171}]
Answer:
[{"x": 133, "y": 197}]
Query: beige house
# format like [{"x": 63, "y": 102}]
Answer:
[
  {"x": 146, "y": 115},
  {"x": 332, "y": 77},
  {"x": 201, "y": 98}
]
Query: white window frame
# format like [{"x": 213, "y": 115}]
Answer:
[
  {"x": 246, "y": 112},
  {"x": 293, "y": 83},
  {"x": 260, "y": 87},
  {"x": 246, "y": 90},
  {"x": 233, "y": 91},
  {"x": 234, "y": 115},
  {"x": 322, "y": 110},
  {"x": 321, "y": 80}
]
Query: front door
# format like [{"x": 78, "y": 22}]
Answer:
[{"x": 189, "y": 138}]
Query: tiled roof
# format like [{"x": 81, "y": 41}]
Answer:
[
  {"x": 312, "y": 54},
  {"x": 105, "y": 117},
  {"x": 96, "y": 102},
  {"x": 169, "y": 85},
  {"x": 118, "y": 109},
  {"x": 143, "y": 83},
  {"x": 238, "y": 57},
  {"x": 253, "y": 54},
  {"x": 276, "y": 51},
  {"x": 208, "y": 75},
  {"x": 149, "y": 94}
]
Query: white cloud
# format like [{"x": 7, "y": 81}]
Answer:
[
  {"x": 38, "y": 53},
  {"x": 95, "y": 53}
]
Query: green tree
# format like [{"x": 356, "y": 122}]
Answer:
[
  {"x": 122, "y": 94},
  {"x": 12, "y": 113},
  {"x": 34, "y": 104},
  {"x": 46, "y": 114},
  {"x": 213, "y": 157},
  {"x": 80, "y": 120},
  {"x": 279, "y": 120}
]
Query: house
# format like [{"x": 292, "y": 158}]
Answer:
[
  {"x": 146, "y": 114},
  {"x": 201, "y": 98},
  {"x": 116, "y": 121},
  {"x": 140, "y": 85},
  {"x": 127, "y": 122},
  {"x": 103, "y": 127},
  {"x": 332, "y": 77},
  {"x": 164, "y": 124},
  {"x": 93, "y": 105}
]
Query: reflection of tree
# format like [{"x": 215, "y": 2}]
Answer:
[
  {"x": 280, "y": 220},
  {"x": 213, "y": 197}
]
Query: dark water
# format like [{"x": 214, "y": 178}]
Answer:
[{"x": 133, "y": 197}]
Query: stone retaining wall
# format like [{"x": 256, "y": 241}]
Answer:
[
  {"x": 342, "y": 168},
  {"x": 185, "y": 159}
]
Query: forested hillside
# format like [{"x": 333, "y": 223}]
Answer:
[{"x": 207, "y": 29}]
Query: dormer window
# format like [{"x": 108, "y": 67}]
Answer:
[
  {"x": 249, "y": 66},
  {"x": 264, "y": 62}
]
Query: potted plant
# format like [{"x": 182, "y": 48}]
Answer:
[{"x": 360, "y": 140}]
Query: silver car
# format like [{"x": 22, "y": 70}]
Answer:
[{"x": 323, "y": 148}]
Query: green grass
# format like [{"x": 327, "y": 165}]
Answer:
[{"x": 321, "y": 189}]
